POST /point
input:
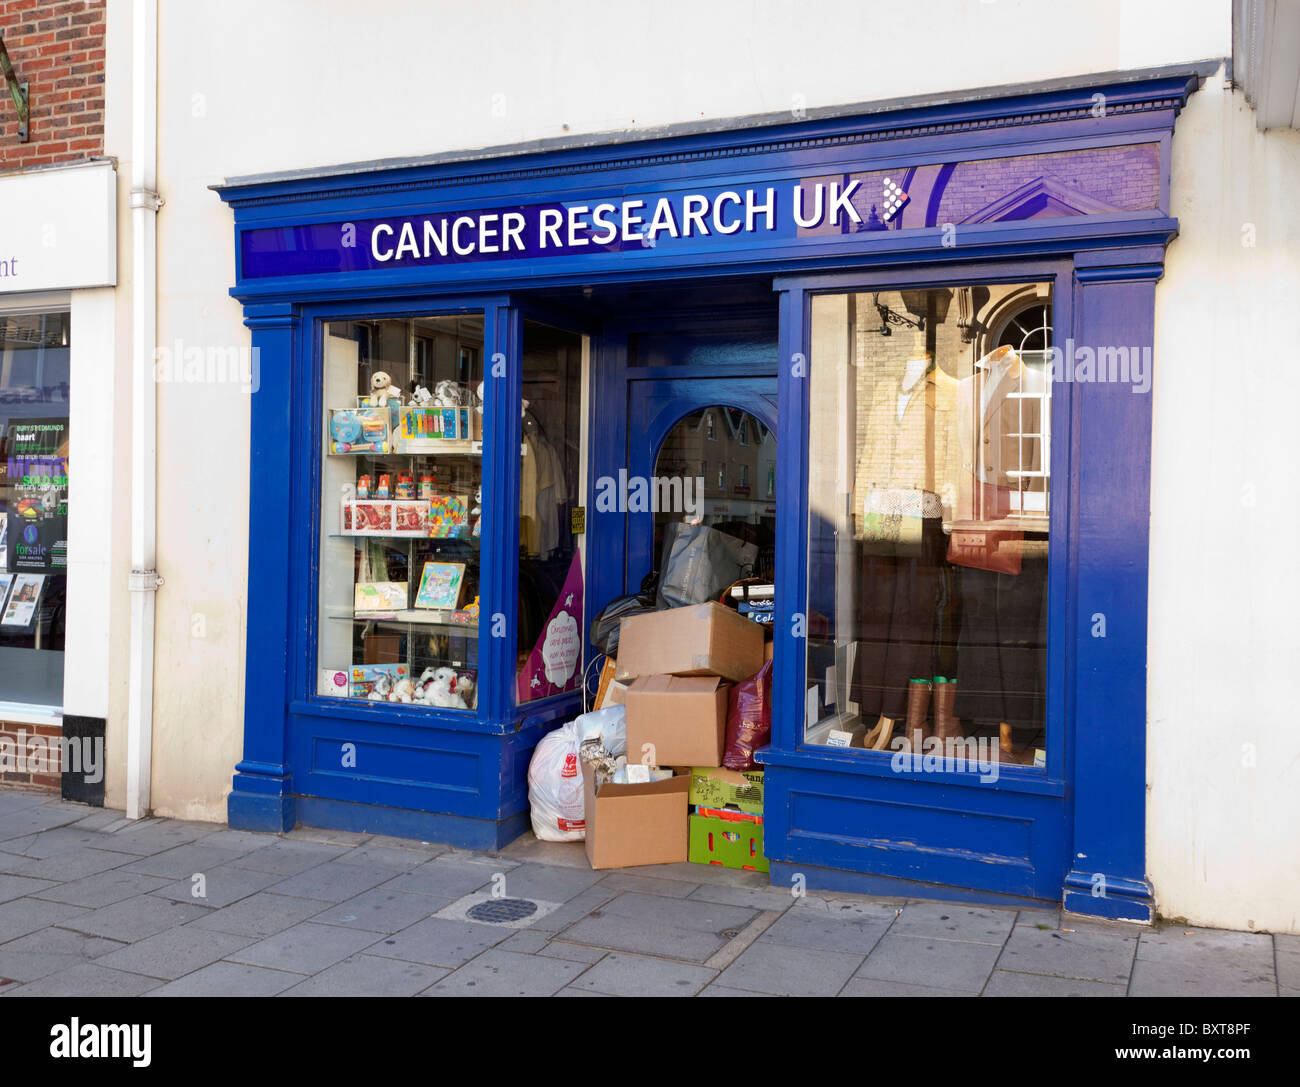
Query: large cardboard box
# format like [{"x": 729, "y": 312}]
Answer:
[
  {"x": 635, "y": 824},
  {"x": 684, "y": 717},
  {"x": 700, "y": 640},
  {"x": 718, "y": 787},
  {"x": 728, "y": 839}
]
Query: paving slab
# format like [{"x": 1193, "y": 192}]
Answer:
[
  {"x": 369, "y": 975},
  {"x": 155, "y": 837},
  {"x": 12, "y": 887},
  {"x": 305, "y": 948},
  {"x": 217, "y": 887},
  {"x": 262, "y": 914},
  {"x": 381, "y": 910},
  {"x": 334, "y": 881},
  {"x": 622, "y": 974},
  {"x": 134, "y": 918},
  {"x": 445, "y": 878},
  {"x": 949, "y": 921},
  {"x": 288, "y": 858},
  {"x": 723, "y": 990},
  {"x": 229, "y": 979},
  {"x": 438, "y": 942},
  {"x": 1197, "y": 945},
  {"x": 508, "y": 973},
  {"x": 688, "y": 913},
  {"x": 87, "y": 980},
  {"x": 561, "y": 854},
  {"x": 175, "y": 952},
  {"x": 759, "y": 898},
  {"x": 920, "y": 960},
  {"x": 103, "y": 888},
  {"x": 1010, "y": 983},
  {"x": 559, "y": 949},
  {"x": 1091, "y": 955},
  {"x": 48, "y": 951},
  {"x": 28, "y": 821},
  {"x": 625, "y": 880},
  {"x": 545, "y": 881},
  {"x": 72, "y": 864},
  {"x": 1214, "y": 977},
  {"x": 647, "y": 937},
  {"x": 185, "y": 860},
  {"x": 790, "y": 971},
  {"x": 24, "y": 915},
  {"x": 825, "y": 932},
  {"x": 576, "y": 908},
  {"x": 873, "y": 987}
]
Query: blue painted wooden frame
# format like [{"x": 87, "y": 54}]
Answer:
[{"x": 1113, "y": 261}]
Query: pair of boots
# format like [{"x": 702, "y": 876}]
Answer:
[
  {"x": 921, "y": 693},
  {"x": 916, "y": 725}
]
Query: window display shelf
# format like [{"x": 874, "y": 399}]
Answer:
[
  {"x": 413, "y": 618},
  {"x": 449, "y": 448}
]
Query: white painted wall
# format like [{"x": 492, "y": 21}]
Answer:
[
  {"x": 1223, "y": 746},
  {"x": 258, "y": 85}
]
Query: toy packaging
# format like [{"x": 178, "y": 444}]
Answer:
[
  {"x": 385, "y": 596},
  {"x": 380, "y": 516},
  {"x": 363, "y": 429},
  {"x": 449, "y": 516},
  {"x": 365, "y": 678}
]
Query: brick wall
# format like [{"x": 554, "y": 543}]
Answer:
[
  {"x": 30, "y": 756},
  {"x": 58, "y": 49}
]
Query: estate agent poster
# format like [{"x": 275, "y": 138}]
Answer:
[
  {"x": 37, "y": 494},
  {"x": 26, "y": 594}
]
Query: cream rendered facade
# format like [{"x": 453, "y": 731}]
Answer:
[{"x": 255, "y": 86}]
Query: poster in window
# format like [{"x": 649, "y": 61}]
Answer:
[
  {"x": 37, "y": 514},
  {"x": 552, "y": 666},
  {"x": 24, "y": 596}
]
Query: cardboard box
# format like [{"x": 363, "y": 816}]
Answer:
[
  {"x": 684, "y": 717},
  {"x": 635, "y": 824},
  {"x": 727, "y": 839},
  {"x": 700, "y": 640},
  {"x": 717, "y": 787}
]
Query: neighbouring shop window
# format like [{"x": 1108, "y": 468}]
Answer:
[
  {"x": 550, "y": 613},
  {"x": 34, "y": 387},
  {"x": 401, "y": 502},
  {"x": 929, "y": 489}
]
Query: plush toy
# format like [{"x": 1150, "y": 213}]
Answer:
[
  {"x": 447, "y": 394},
  {"x": 421, "y": 396},
  {"x": 422, "y": 685},
  {"x": 403, "y": 690},
  {"x": 382, "y": 390},
  {"x": 478, "y": 398},
  {"x": 476, "y": 514},
  {"x": 465, "y": 687},
  {"x": 441, "y": 691},
  {"x": 382, "y": 689}
]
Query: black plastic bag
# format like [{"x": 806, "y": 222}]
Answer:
[{"x": 605, "y": 626}]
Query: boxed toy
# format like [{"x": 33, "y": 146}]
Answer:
[
  {"x": 449, "y": 516},
  {"x": 683, "y": 718},
  {"x": 635, "y": 824},
  {"x": 699, "y": 640},
  {"x": 382, "y": 517},
  {"x": 363, "y": 429},
  {"x": 727, "y": 838},
  {"x": 717, "y": 787},
  {"x": 365, "y": 676}
]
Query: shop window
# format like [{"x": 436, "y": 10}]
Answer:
[
  {"x": 34, "y": 387},
  {"x": 401, "y": 502},
  {"x": 928, "y": 490},
  {"x": 550, "y": 615}
]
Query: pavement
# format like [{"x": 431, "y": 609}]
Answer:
[{"x": 92, "y": 904}]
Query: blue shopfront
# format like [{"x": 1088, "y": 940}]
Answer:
[{"x": 904, "y": 351}]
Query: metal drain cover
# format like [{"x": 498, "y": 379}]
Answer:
[{"x": 502, "y": 910}]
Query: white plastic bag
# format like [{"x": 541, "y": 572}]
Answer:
[
  {"x": 555, "y": 787},
  {"x": 609, "y": 725}
]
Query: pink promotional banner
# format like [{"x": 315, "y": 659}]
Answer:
[{"x": 552, "y": 666}]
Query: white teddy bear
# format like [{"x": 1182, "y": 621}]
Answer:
[{"x": 382, "y": 390}]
